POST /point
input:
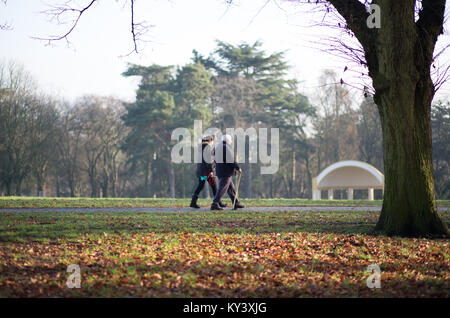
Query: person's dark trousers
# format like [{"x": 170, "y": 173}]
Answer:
[
  {"x": 201, "y": 184},
  {"x": 226, "y": 185}
]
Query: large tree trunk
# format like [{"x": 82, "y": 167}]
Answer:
[
  {"x": 399, "y": 55},
  {"x": 404, "y": 93},
  {"x": 409, "y": 206}
]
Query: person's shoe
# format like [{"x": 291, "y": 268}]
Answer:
[
  {"x": 216, "y": 207},
  {"x": 194, "y": 203},
  {"x": 222, "y": 205},
  {"x": 238, "y": 205}
]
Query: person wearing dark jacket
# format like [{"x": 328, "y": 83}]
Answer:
[
  {"x": 205, "y": 172},
  {"x": 225, "y": 169}
]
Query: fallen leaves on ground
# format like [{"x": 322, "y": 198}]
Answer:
[{"x": 190, "y": 264}]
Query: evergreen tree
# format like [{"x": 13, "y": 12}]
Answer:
[{"x": 163, "y": 103}]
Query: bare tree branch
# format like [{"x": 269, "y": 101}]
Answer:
[
  {"x": 133, "y": 26},
  {"x": 257, "y": 13},
  {"x": 342, "y": 41},
  {"x": 354, "y": 42},
  {"x": 57, "y": 13},
  {"x": 138, "y": 29},
  {"x": 355, "y": 14}
]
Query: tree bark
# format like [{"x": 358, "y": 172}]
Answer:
[
  {"x": 409, "y": 206},
  {"x": 399, "y": 57},
  {"x": 404, "y": 93}
]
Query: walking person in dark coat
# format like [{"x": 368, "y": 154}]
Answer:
[
  {"x": 226, "y": 166},
  {"x": 205, "y": 172}
]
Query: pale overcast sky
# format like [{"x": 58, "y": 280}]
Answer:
[{"x": 94, "y": 62}]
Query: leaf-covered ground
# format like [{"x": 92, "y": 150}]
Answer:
[{"x": 215, "y": 254}]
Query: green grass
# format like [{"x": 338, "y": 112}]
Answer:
[
  {"x": 48, "y": 226},
  {"x": 44, "y": 202},
  {"x": 215, "y": 254},
  {"x": 39, "y": 226}
]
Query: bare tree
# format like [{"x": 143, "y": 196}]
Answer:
[
  {"x": 70, "y": 13},
  {"x": 27, "y": 129},
  {"x": 68, "y": 145},
  {"x": 112, "y": 139},
  {"x": 336, "y": 124},
  {"x": 399, "y": 56},
  {"x": 43, "y": 140},
  {"x": 394, "y": 47},
  {"x": 17, "y": 113}
]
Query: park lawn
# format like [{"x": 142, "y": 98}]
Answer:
[
  {"x": 215, "y": 254},
  {"x": 45, "y": 202}
]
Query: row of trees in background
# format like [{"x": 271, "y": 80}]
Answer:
[
  {"x": 102, "y": 147},
  {"x": 47, "y": 145}
]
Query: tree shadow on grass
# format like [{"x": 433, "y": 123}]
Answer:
[
  {"x": 69, "y": 226},
  {"x": 230, "y": 227}
]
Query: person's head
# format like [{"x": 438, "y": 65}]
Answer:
[
  {"x": 208, "y": 139},
  {"x": 228, "y": 139}
]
